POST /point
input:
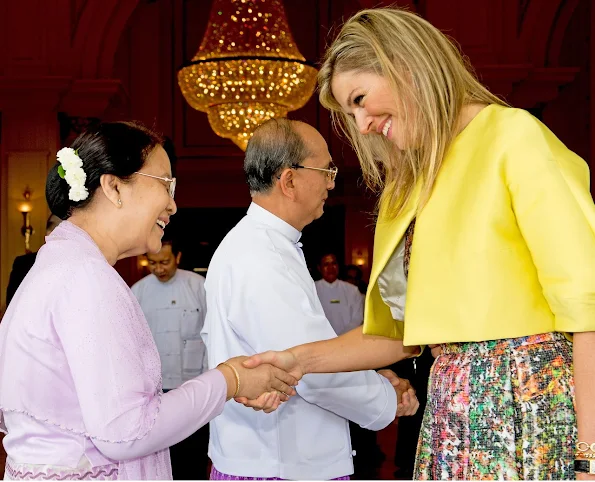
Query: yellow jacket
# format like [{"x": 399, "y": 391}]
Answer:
[{"x": 505, "y": 247}]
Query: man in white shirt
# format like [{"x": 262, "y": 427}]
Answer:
[
  {"x": 260, "y": 296},
  {"x": 342, "y": 302},
  {"x": 173, "y": 301}
]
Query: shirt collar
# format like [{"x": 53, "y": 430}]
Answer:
[
  {"x": 263, "y": 216},
  {"x": 169, "y": 281},
  {"x": 325, "y": 282}
]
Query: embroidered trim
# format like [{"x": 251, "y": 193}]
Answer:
[{"x": 46, "y": 472}]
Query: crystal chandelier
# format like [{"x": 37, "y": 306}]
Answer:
[{"x": 247, "y": 69}]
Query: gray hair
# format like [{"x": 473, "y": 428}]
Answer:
[{"x": 274, "y": 146}]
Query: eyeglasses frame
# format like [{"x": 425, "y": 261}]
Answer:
[
  {"x": 171, "y": 180},
  {"x": 331, "y": 172}
]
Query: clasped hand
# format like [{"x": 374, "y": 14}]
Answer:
[
  {"x": 269, "y": 401},
  {"x": 266, "y": 383},
  {"x": 407, "y": 402}
]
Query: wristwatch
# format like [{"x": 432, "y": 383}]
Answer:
[{"x": 585, "y": 466}]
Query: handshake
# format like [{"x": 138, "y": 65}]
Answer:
[{"x": 265, "y": 381}]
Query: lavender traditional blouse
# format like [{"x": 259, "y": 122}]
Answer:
[{"x": 80, "y": 376}]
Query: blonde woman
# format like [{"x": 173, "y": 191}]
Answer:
[{"x": 486, "y": 224}]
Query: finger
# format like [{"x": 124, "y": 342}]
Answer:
[
  {"x": 267, "y": 404},
  {"x": 253, "y": 361},
  {"x": 279, "y": 385},
  {"x": 394, "y": 380},
  {"x": 272, "y": 404},
  {"x": 390, "y": 376},
  {"x": 257, "y": 403},
  {"x": 404, "y": 384},
  {"x": 261, "y": 402},
  {"x": 286, "y": 378},
  {"x": 271, "y": 400},
  {"x": 282, "y": 387},
  {"x": 413, "y": 406},
  {"x": 242, "y": 400}
]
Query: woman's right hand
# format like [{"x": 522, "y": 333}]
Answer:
[
  {"x": 285, "y": 360},
  {"x": 257, "y": 381}
]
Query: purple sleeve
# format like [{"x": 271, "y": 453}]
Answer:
[{"x": 183, "y": 411}]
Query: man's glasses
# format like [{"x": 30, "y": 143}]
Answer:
[
  {"x": 331, "y": 172},
  {"x": 172, "y": 182}
]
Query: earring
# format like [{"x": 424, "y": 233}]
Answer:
[{"x": 120, "y": 202}]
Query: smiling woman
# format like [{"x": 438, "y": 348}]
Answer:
[{"x": 80, "y": 375}]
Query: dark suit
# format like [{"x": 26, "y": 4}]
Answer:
[{"x": 20, "y": 268}]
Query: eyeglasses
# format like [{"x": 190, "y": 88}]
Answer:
[
  {"x": 331, "y": 172},
  {"x": 172, "y": 182}
]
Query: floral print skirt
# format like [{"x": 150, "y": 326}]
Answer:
[{"x": 501, "y": 409}]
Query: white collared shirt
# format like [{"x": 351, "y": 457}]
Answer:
[
  {"x": 342, "y": 303},
  {"x": 260, "y": 296},
  {"x": 175, "y": 311}
]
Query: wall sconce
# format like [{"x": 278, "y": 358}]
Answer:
[
  {"x": 359, "y": 257},
  {"x": 25, "y": 207}
]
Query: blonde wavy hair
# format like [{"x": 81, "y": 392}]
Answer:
[{"x": 431, "y": 82}]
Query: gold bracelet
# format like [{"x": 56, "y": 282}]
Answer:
[
  {"x": 580, "y": 455},
  {"x": 237, "y": 375},
  {"x": 585, "y": 447}
]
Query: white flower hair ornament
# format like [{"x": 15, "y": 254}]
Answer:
[{"x": 71, "y": 170}]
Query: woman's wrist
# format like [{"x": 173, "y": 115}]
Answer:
[
  {"x": 304, "y": 358},
  {"x": 230, "y": 378}
]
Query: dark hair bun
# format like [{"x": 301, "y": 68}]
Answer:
[{"x": 118, "y": 148}]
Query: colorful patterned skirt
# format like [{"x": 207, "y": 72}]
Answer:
[
  {"x": 216, "y": 475},
  {"x": 500, "y": 409}
]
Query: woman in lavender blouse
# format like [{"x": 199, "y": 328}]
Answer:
[{"x": 80, "y": 376}]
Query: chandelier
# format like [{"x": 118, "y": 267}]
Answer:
[{"x": 247, "y": 69}]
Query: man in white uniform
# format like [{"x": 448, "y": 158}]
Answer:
[
  {"x": 173, "y": 301},
  {"x": 260, "y": 296},
  {"x": 342, "y": 302}
]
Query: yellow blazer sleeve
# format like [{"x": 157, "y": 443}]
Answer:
[{"x": 549, "y": 188}]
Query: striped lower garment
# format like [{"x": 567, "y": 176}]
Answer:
[
  {"x": 216, "y": 475},
  {"x": 500, "y": 409}
]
